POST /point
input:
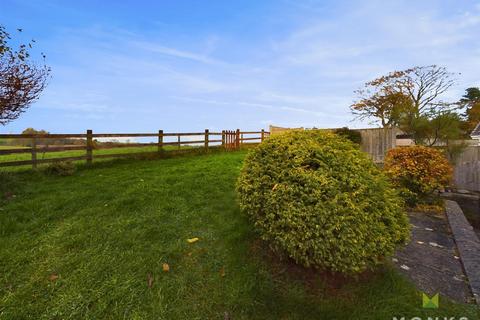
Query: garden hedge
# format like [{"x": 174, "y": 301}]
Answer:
[{"x": 315, "y": 196}]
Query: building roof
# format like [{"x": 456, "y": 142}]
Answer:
[{"x": 476, "y": 132}]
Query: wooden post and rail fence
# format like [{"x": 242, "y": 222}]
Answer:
[{"x": 228, "y": 140}]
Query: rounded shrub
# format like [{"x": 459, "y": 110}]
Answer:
[
  {"x": 61, "y": 168},
  {"x": 314, "y": 196},
  {"x": 418, "y": 171}
]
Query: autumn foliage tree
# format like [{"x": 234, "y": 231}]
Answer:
[
  {"x": 402, "y": 96},
  {"x": 21, "y": 79},
  {"x": 412, "y": 100}
]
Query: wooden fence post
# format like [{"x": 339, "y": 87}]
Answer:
[
  {"x": 262, "y": 135},
  {"x": 34, "y": 152},
  {"x": 178, "y": 140},
  {"x": 206, "y": 140},
  {"x": 237, "y": 138},
  {"x": 89, "y": 146},
  {"x": 226, "y": 139},
  {"x": 223, "y": 139},
  {"x": 160, "y": 141}
]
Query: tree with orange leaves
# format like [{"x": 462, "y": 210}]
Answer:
[{"x": 402, "y": 96}]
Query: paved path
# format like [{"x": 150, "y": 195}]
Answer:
[
  {"x": 431, "y": 259},
  {"x": 468, "y": 245}
]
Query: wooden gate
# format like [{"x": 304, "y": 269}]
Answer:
[{"x": 231, "y": 139}]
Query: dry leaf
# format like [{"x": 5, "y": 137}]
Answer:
[
  {"x": 222, "y": 272},
  {"x": 165, "y": 267},
  {"x": 192, "y": 240},
  {"x": 405, "y": 267},
  {"x": 149, "y": 280},
  {"x": 53, "y": 277},
  {"x": 275, "y": 187}
]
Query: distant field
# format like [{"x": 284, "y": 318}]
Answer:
[{"x": 11, "y": 147}]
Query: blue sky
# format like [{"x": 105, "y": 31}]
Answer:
[{"x": 140, "y": 66}]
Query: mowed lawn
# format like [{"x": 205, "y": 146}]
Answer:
[
  {"x": 79, "y": 153},
  {"x": 92, "y": 246}
]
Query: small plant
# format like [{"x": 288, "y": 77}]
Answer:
[
  {"x": 418, "y": 171},
  {"x": 61, "y": 168},
  {"x": 314, "y": 196}
]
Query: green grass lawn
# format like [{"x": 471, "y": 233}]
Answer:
[
  {"x": 84, "y": 247},
  {"x": 78, "y": 153}
]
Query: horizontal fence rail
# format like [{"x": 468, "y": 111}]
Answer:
[{"x": 39, "y": 144}]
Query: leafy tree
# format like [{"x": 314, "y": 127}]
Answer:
[
  {"x": 21, "y": 80},
  {"x": 406, "y": 94},
  {"x": 471, "y": 96},
  {"x": 471, "y": 101},
  {"x": 444, "y": 126},
  {"x": 28, "y": 142}
]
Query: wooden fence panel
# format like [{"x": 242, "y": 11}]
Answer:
[
  {"x": 467, "y": 169},
  {"x": 377, "y": 141}
]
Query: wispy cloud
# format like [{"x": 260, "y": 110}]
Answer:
[{"x": 156, "y": 48}]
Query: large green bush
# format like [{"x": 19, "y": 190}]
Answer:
[{"x": 316, "y": 197}]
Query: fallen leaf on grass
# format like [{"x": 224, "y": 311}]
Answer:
[
  {"x": 53, "y": 277},
  {"x": 222, "y": 272},
  {"x": 165, "y": 267},
  {"x": 149, "y": 280},
  {"x": 192, "y": 240},
  {"x": 275, "y": 187}
]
